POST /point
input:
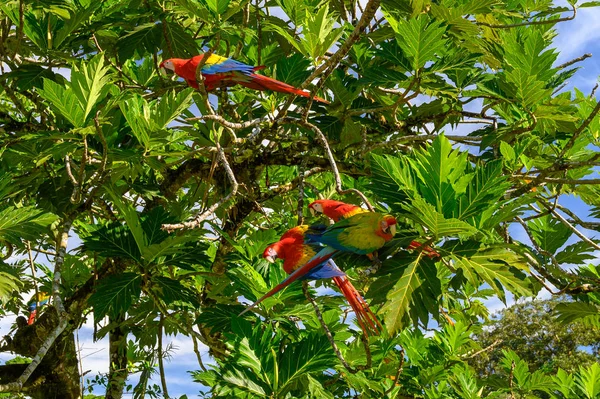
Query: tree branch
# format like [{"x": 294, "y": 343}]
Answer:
[{"x": 326, "y": 329}]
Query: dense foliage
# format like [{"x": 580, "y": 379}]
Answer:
[{"x": 153, "y": 202}]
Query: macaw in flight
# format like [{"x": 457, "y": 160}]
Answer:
[
  {"x": 295, "y": 252},
  {"x": 338, "y": 210},
  {"x": 361, "y": 234},
  {"x": 34, "y": 305},
  {"x": 224, "y": 72}
]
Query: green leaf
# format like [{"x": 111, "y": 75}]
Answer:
[
  {"x": 420, "y": 39},
  {"x": 171, "y": 105},
  {"x": 26, "y": 77},
  {"x": 391, "y": 177},
  {"x": 218, "y": 7},
  {"x": 131, "y": 218},
  {"x": 142, "y": 39},
  {"x": 10, "y": 281},
  {"x": 399, "y": 297},
  {"x": 441, "y": 171},
  {"x": 507, "y": 151},
  {"x": 114, "y": 295},
  {"x": 312, "y": 355},
  {"x": 437, "y": 225},
  {"x": 586, "y": 313},
  {"x": 64, "y": 100},
  {"x": 178, "y": 41},
  {"x": 497, "y": 266},
  {"x": 90, "y": 83},
  {"x": 549, "y": 233},
  {"x": 484, "y": 195},
  {"x": 27, "y": 223},
  {"x": 577, "y": 253},
  {"x": 588, "y": 380},
  {"x": 112, "y": 240},
  {"x": 171, "y": 291}
]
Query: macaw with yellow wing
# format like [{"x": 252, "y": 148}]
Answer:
[
  {"x": 338, "y": 210},
  {"x": 224, "y": 72},
  {"x": 295, "y": 252},
  {"x": 36, "y": 303},
  {"x": 362, "y": 233}
]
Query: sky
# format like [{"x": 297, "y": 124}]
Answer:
[{"x": 574, "y": 39}]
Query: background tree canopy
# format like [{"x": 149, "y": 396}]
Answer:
[{"x": 153, "y": 202}]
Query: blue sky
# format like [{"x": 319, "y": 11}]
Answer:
[{"x": 574, "y": 39}]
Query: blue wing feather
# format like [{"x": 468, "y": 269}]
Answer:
[
  {"x": 325, "y": 270},
  {"x": 228, "y": 65}
]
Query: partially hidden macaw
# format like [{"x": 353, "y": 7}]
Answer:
[
  {"x": 295, "y": 252},
  {"x": 338, "y": 210},
  {"x": 34, "y": 305},
  {"x": 224, "y": 72}
]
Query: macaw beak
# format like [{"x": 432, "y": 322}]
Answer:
[
  {"x": 393, "y": 230},
  {"x": 270, "y": 259},
  {"x": 312, "y": 212},
  {"x": 167, "y": 73}
]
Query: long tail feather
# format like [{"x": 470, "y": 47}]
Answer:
[
  {"x": 366, "y": 319},
  {"x": 427, "y": 250},
  {"x": 316, "y": 260},
  {"x": 261, "y": 82}
]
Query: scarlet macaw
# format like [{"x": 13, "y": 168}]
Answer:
[
  {"x": 224, "y": 72},
  {"x": 42, "y": 299},
  {"x": 295, "y": 252},
  {"x": 338, "y": 210},
  {"x": 362, "y": 234}
]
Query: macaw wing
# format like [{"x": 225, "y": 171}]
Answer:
[
  {"x": 354, "y": 234},
  {"x": 217, "y": 64},
  {"x": 325, "y": 270}
]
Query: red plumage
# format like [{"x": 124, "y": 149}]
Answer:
[
  {"x": 295, "y": 252},
  {"x": 225, "y": 72}
]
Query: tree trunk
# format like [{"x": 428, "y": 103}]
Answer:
[
  {"x": 118, "y": 359},
  {"x": 57, "y": 376}
]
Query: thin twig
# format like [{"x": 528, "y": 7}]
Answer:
[
  {"x": 226, "y": 123},
  {"x": 327, "y": 331},
  {"x": 334, "y": 167},
  {"x": 570, "y": 226},
  {"x": 400, "y": 369},
  {"x": 161, "y": 367},
  {"x": 580, "y": 129},
  {"x": 573, "y": 61},
  {"x": 197, "y": 221},
  {"x": 486, "y": 349},
  {"x": 197, "y": 351},
  {"x": 98, "y": 174}
]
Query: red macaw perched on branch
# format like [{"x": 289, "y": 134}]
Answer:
[
  {"x": 338, "y": 210},
  {"x": 295, "y": 252},
  {"x": 224, "y": 72},
  {"x": 35, "y": 304}
]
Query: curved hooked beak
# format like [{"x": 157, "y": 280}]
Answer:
[
  {"x": 271, "y": 258},
  {"x": 312, "y": 211},
  {"x": 166, "y": 73},
  {"x": 393, "y": 230}
]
